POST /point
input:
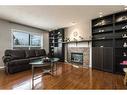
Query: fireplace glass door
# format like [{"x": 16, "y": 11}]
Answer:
[{"x": 77, "y": 58}]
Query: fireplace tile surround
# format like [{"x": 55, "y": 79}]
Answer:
[{"x": 84, "y": 50}]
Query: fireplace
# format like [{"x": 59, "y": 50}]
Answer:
[{"x": 77, "y": 57}]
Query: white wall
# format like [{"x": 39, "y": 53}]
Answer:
[
  {"x": 46, "y": 41},
  {"x": 5, "y": 36},
  {"x": 84, "y": 30}
]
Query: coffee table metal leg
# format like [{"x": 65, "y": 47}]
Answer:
[
  {"x": 52, "y": 71},
  {"x": 32, "y": 77},
  {"x": 56, "y": 66}
]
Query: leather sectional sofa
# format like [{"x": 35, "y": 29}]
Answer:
[{"x": 18, "y": 60}]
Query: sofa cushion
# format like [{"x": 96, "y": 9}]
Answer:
[
  {"x": 16, "y": 54},
  {"x": 19, "y": 68},
  {"x": 30, "y": 53},
  {"x": 19, "y": 62},
  {"x": 40, "y": 52}
]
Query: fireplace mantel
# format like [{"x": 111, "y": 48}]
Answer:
[{"x": 77, "y": 41}]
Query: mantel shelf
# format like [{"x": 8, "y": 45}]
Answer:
[{"x": 77, "y": 41}]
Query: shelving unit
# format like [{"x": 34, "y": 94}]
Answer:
[
  {"x": 56, "y": 46},
  {"x": 120, "y": 49},
  {"x": 102, "y": 32},
  {"x": 114, "y": 33}
]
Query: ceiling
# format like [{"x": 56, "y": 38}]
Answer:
[{"x": 53, "y": 17}]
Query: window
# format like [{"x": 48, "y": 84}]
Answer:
[
  {"x": 20, "y": 39},
  {"x": 25, "y": 40},
  {"x": 35, "y": 40}
]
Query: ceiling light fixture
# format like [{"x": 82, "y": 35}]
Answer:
[
  {"x": 73, "y": 23},
  {"x": 125, "y": 7},
  {"x": 50, "y": 29},
  {"x": 100, "y": 14}
]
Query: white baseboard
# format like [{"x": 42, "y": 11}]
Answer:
[{"x": 2, "y": 67}]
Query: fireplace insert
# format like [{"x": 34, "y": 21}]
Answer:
[{"x": 77, "y": 58}]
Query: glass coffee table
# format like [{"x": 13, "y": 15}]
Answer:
[{"x": 42, "y": 63}]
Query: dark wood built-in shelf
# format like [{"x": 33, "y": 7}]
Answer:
[
  {"x": 56, "y": 45},
  {"x": 111, "y": 48}
]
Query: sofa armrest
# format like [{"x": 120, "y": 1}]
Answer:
[
  {"x": 49, "y": 55},
  {"x": 6, "y": 59}
]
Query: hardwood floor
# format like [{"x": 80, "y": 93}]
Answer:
[{"x": 66, "y": 77}]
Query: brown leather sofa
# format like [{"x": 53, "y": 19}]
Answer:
[{"x": 18, "y": 60}]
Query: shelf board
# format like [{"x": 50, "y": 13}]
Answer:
[
  {"x": 120, "y": 47},
  {"x": 101, "y": 47},
  {"x": 94, "y": 33},
  {"x": 120, "y": 56},
  {"x": 121, "y": 22},
  {"x": 110, "y": 24},
  {"x": 55, "y": 42},
  {"x": 101, "y": 39},
  {"x": 51, "y": 38},
  {"x": 55, "y": 35},
  {"x": 120, "y": 30},
  {"x": 55, "y": 38},
  {"x": 120, "y": 38}
]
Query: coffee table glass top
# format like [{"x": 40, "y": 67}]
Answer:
[{"x": 41, "y": 61}]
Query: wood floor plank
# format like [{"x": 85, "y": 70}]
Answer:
[{"x": 66, "y": 77}]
